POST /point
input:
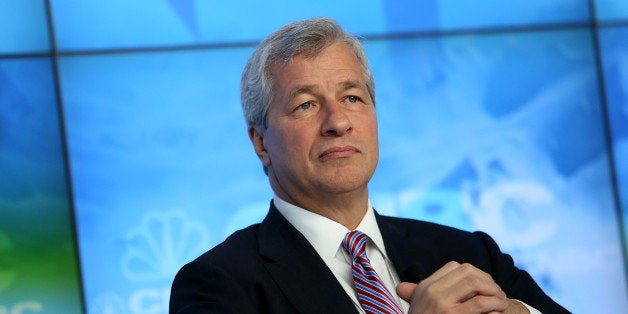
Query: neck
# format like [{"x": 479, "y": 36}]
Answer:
[{"x": 347, "y": 209}]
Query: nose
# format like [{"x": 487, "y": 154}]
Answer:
[{"x": 336, "y": 121}]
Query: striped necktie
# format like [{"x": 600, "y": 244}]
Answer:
[{"x": 372, "y": 294}]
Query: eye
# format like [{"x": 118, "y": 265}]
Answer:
[
  {"x": 353, "y": 99},
  {"x": 304, "y": 106}
]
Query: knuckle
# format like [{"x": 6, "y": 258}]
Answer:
[
  {"x": 474, "y": 281},
  {"x": 452, "y": 263},
  {"x": 479, "y": 302},
  {"x": 467, "y": 268}
]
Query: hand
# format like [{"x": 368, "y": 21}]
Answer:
[{"x": 458, "y": 288}]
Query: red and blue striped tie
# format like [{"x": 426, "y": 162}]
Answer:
[{"x": 372, "y": 294}]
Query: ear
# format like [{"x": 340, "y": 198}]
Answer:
[{"x": 256, "y": 134}]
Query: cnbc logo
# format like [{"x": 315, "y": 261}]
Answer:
[
  {"x": 154, "y": 250},
  {"x": 161, "y": 244}
]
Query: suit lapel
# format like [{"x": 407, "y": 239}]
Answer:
[
  {"x": 413, "y": 257},
  {"x": 298, "y": 270}
]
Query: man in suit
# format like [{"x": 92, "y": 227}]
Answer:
[{"x": 308, "y": 99}]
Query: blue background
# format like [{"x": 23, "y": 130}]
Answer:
[{"x": 508, "y": 117}]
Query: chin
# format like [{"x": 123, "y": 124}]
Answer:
[{"x": 344, "y": 183}]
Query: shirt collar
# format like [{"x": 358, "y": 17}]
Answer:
[{"x": 324, "y": 234}]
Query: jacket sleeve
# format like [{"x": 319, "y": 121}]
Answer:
[{"x": 517, "y": 283}]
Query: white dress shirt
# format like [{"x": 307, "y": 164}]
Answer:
[{"x": 326, "y": 236}]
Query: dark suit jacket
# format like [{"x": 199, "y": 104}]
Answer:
[{"x": 271, "y": 268}]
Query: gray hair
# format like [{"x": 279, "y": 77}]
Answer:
[{"x": 309, "y": 37}]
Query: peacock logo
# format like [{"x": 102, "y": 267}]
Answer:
[{"x": 161, "y": 244}]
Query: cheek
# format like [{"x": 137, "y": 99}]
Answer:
[
  {"x": 285, "y": 144},
  {"x": 373, "y": 138},
  {"x": 372, "y": 129},
  {"x": 295, "y": 144}
]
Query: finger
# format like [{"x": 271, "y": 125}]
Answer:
[
  {"x": 467, "y": 269},
  {"x": 482, "y": 304},
  {"x": 478, "y": 281},
  {"x": 437, "y": 275},
  {"x": 422, "y": 303},
  {"x": 466, "y": 281},
  {"x": 405, "y": 290}
]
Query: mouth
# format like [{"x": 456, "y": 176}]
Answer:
[{"x": 338, "y": 152}]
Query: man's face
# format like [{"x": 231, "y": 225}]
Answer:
[{"x": 322, "y": 128}]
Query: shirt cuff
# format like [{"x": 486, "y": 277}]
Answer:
[{"x": 531, "y": 309}]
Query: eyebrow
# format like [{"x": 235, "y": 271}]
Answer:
[
  {"x": 349, "y": 84},
  {"x": 303, "y": 89},
  {"x": 311, "y": 89}
]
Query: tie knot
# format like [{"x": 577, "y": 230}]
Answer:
[{"x": 355, "y": 243}]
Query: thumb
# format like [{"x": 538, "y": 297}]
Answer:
[{"x": 405, "y": 290}]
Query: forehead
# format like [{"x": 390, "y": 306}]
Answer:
[{"x": 336, "y": 62}]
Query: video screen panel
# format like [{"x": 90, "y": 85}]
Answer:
[
  {"x": 23, "y": 27},
  {"x": 471, "y": 14},
  {"x": 117, "y": 24},
  {"x": 106, "y": 24},
  {"x": 615, "y": 61},
  {"x": 38, "y": 266},
  {"x": 612, "y": 10}
]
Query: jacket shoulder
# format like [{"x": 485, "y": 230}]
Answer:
[
  {"x": 221, "y": 279},
  {"x": 241, "y": 245},
  {"x": 421, "y": 228}
]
